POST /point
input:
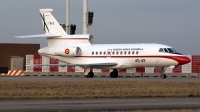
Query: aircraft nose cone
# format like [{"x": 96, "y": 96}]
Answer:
[{"x": 183, "y": 60}]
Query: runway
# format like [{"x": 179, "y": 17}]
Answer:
[
  {"x": 100, "y": 104},
  {"x": 60, "y": 78}
]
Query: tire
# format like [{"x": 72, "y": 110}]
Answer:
[
  {"x": 90, "y": 75},
  {"x": 113, "y": 74},
  {"x": 163, "y": 76}
]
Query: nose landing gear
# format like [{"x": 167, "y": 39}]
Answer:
[{"x": 163, "y": 75}]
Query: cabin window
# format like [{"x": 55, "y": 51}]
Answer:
[
  {"x": 133, "y": 52},
  {"x": 108, "y": 52},
  {"x": 121, "y": 53},
  {"x": 124, "y": 52},
  {"x": 113, "y": 52},
  {"x": 92, "y": 52},
  {"x": 100, "y": 53},
  {"x": 129, "y": 52},
  {"x": 104, "y": 52},
  {"x": 96, "y": 52},
  {"x": 137, "y": 52},
  {"x": 117, "y": 53}
]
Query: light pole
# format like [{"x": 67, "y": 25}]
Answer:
[
  {"x": 67, "y": 16},
  {"x": 85, "y": 27}
]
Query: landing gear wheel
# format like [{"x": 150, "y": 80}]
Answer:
[
  {"x": 114, "y": 74},
  {"x": 162, "y": 72},
  {"x": 90, "y": 75},
  {"x": 163, "y": 76}
]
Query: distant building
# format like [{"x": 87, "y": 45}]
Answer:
[{"x": 9, "y": 50}]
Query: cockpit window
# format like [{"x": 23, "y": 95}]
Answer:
[
  {"x": 161, "y": 50},
  {"x": 174, "y": 50},
  {"x": 170, "y": 50},
  {"x": 165, "y": 49}
]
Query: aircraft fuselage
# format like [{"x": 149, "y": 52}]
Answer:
[{"x": 126, "y": 55}]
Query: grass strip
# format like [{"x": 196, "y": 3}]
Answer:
[{"x": 97, "y": 89}]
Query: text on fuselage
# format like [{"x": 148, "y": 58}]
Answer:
[{"x": 118, "y": 49}]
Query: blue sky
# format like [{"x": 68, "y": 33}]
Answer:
[{"x": 172, "y": 22}]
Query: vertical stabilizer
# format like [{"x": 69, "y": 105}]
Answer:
[
  {"x": 50, "y": 24},
  {"x": 56, "y": 35}
]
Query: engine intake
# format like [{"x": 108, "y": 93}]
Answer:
[{"x": 91, "y": 38}]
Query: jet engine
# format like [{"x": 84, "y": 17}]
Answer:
[{"x": 68, "y": 51}]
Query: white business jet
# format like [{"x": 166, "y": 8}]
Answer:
[{"x": 78, "y": 50}]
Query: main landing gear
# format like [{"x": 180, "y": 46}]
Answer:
[
  {"x": 90, "y": 75},
  {"x": 163, "y": 75},
  {"x": 114, "y": 73}
]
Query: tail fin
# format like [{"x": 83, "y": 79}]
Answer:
[
  {"x": 55, "y": 34},
  {"x": 50, "y": 24}
]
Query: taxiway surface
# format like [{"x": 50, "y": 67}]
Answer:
[
  {"x": 60, "y": 78},
  {"x": 99, "y": 104}
]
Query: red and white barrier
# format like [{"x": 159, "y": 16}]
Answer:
[
  {"x": 187, "y": 67},
  {"x": 45, "y": 60},
  {"x": 15, "y": 73},
  {"x": 62, "y": 69},
  {"x": 37, "y": 60},
  {"x": 96, "y": 70},
  {"x": 54, "y": 68},
  {"x": 195, "y": 63},
  {"x": 3, "y": 74},
  {"x": 29, "y": 61}
]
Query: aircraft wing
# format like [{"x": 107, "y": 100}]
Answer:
[
  {"x": 39, "y": 36},
  {"x": 63, "y": 65}
]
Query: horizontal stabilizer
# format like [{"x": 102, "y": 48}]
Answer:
[
  {"x": 39, "y": 36},
  {"x": 83, "y": 65}
]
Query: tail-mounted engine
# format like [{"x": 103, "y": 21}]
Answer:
[
  {"x": 91, "y": 38},
  {"x": 68, "y": 51}
]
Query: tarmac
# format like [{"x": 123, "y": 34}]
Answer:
[
  {"x": 61, "y": 78},
  {"x": 99, "y": 104}
]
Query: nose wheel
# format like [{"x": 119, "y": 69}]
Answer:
[
  {"x": 114, "y": 73},
  {"x": 163, "y": 75}
]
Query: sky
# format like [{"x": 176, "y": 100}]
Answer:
[{"x": 172, "y": 22}]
